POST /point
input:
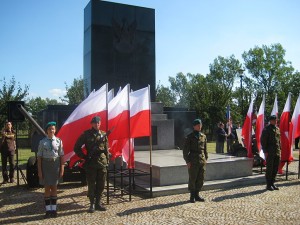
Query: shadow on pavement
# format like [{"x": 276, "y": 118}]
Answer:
[
  {"x": 245, "y": 194},
  {"x": 149, "y": 208},
  {"x": 238, "y": 195}
]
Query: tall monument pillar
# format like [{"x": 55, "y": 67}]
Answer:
[{"x": 119, "y": 46}]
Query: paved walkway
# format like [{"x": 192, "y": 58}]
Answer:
[{"x": 244, "y": 205}]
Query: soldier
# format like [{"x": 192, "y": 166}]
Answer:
[
  {"x": 8, "y": 148},
  {"x": 195, "y": 156},
  {"x": 270, "y": 141},
  {"x": 96, "y": 161}
]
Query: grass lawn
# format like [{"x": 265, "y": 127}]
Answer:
[{"x": 24, "y": 154}]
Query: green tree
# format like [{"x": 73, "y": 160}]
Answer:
[
  {"x": 224, "y": 72},
  {"x": 75, "y": 92},
  {"x": 36, "y": 105},
  {"x": 165, "y": 95},
  {"x": 180, "y": 89},
  {"x": 270, "y": 73},
  {"x": 10, "y": 91}
]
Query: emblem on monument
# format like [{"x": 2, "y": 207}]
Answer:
[{"x": 124, "y": 35}]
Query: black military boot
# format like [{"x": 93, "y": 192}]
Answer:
[
  {"x": 98, "y": 206},
  {"x": 192, "y": 197},
  {"x": 274, "y": 187},
  {"x": 198, "y": 198},
  {"x": 269, "y": 186},
  {"x": 92, "y": 206}
]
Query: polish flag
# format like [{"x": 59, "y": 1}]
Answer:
[
  {"x": 110, "y": 95},
  {"x": 275, "y": 108},
  {"x": 128, "y": 152},
  {"x": 140, "y": 113},
  {"x": 284, "y": 133},
  {"x": 247, "y": 130},
  {"x": 229, "y": 121},
  {"x": 260, "y": 123},
  {"x": 79, "y": 120},
  {"x": 294, "y": 127},
  {"x": 118, "y": 120}
]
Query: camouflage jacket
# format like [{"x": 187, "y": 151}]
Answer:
[
  {"x": 195, "y": 148},
  {"x": 270, "y": 140},
  {"x": 96, "y": 144}
]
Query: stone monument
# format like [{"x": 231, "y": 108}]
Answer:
[{"x": 119, "y": 46}]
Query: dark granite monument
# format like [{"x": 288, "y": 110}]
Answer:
[{"x": 119, "y": 46}]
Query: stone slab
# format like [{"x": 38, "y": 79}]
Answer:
[{"x": 169, "y": 168}]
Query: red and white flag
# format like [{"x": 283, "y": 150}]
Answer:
[
  {"x": 128, "y": 152},
  {"x": 275, "y": 108},
  {"x": 80, "y": 118},
  {"x": 140, "y": 113},
  {"x": 247, "y": 130},
  {"x": 118, "y": 121},
  {"x": 260, "y": 124},
  {"x": 294, "y": 127},
  {"x": 284, "y": 133}
]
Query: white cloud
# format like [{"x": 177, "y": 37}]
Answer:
[{"x": 57, "y": 92}]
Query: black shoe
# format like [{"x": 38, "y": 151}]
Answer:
[
  {"x": 99, "y": 207},
  {"x": 275, "y": 187},
  {"x": 270, "y": 188},
  {"x": 92, "y": 208},
  {"x": 199, "y": 199},
  {"x": 47, "y": 215},
  {"x": 192, "y": 197},
  {"x": 54, "y": 213}
]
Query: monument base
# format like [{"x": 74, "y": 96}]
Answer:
[{"x": 169, "y": 168}]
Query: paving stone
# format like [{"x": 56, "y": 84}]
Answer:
[{"x": 242, "y": 205}]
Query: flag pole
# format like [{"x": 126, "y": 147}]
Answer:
[
  {"x": 129, "y": 147},
  {"x": 299, "y": 164},
  {"x": 106, "y": 128},
  {"x": 114, "y": 161},
  {"x": 150, "y": 139}
]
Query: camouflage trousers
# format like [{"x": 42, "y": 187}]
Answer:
[
  {"x": 272, "y": 168},
  {"x": 96, "y": 179},
  {"x": 196, "y": 176}
]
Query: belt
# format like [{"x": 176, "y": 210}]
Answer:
[{"x": 51, "y": 159}]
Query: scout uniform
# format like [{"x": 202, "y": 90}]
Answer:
[
  {"x": 50, "y": 151},
  {"x": 270, "y": 141},
  {"x": 8, "y": 148},
  {"x": 195, "y": 153},
  {"x": 96, "y": 162}
]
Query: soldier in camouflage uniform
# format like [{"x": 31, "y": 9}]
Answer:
[
  {"x": 195, "y": 156},
  {"x": 96, "y": 161},
  {"x": 270, "y": 141}
]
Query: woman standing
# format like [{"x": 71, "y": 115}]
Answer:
[
  {"x": 50, "y": 167},
  {"x": 8, "y": 148}
]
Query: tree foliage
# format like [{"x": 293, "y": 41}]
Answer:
[
  {"x": 270, "y": 74},
  {"x": 75, "y": 92},
  {"x": 265, "y": 72},
  {"x": 10, "y": 91},
  {"x": 165, "y": 95},
  {"x": 36, "y": 105}
]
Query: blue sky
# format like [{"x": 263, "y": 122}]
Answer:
[{"x": 41, "y": 41}]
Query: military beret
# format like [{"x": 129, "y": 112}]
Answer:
[
  {"x": 273, "y": 117},
  {"x": 96, "y": 119},
  {"x": 52, "y": 123},
  {"x": 196, "y": 122}
]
